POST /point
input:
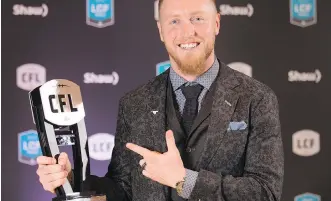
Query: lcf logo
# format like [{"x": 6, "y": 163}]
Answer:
[
  {"x": 307, "y": 197},
  {"x": 28, "y": 147},
  {"x": 306, "y": 142},
  {"x": 100, "y": 13},
  {"x": 162, "y": 67},
  {"x": 101, "y": 146},
  {"x": 303, "y": 12}
]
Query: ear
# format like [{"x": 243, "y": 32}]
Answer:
[
  {"x": 160, "y": 30},
  {"x": 218, "y": 23}
]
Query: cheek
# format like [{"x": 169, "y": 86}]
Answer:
[
  {"x": 205, "y": 31},
  {"x": 170, "y": 35}
]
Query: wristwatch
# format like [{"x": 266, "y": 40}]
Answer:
[{"x": 179, "y": 186}]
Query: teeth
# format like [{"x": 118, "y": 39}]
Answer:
[{"x": 188, "y": 45}]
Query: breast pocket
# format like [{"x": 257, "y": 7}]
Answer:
[{"x": 235, "y": 140}]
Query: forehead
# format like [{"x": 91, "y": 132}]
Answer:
[{"x": 177, "y": 7}]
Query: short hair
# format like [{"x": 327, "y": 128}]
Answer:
[{"x": 161, "y": 1}]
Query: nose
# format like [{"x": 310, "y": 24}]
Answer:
[{"x": 187, "y": 29}]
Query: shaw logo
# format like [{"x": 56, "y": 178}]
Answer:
[
  {"x": 28, "y": 147},
  {"x": 101, "y": 146},
  {"x": 307, "y": 197},
  {"x": 226, "y": 9},
  {"x": 162, "y": 67},
  {"x": 19, "y": 9},
  {"x": 306, "y": 143},
  {"x": 295, "y": 76},
  {"x": 91, "y": 77},
  {"x": 241, "y": 67},
  {"x": 30, "y": 76}
]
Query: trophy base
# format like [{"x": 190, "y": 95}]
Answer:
[{"x": 80, "y": 197}]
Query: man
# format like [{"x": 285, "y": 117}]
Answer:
[{"x": 199, "y": 131}]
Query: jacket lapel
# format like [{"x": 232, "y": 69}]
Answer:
[
  {"x": 155, "y": 109},
  {"x": 155, "y": 114},
  {"x": 224, "y": 102}
]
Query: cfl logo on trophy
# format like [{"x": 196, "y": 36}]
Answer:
[
  {"x": 306, "y": 143},
  {"x": 307, "y": 197},
  {"x": 100, "y": 13},
  {"x": 303, "y": 13},
  {"x": 62, "y": 102},
  {"x": 28, "y": 147},
  {"x": 30, "y": 76},
  {"x": 162, "y": 66}
]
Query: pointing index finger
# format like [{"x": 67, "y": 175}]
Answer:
[{"x": 138, "y": 149}]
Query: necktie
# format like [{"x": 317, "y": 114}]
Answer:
[{"x": 190, "y": 111}]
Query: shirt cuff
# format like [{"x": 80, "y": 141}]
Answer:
[{"x": 190, "y": 180}]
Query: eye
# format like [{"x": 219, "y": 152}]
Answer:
[
  {"x": 197, "y": 19},
  {"x": 174, "y": 21}
]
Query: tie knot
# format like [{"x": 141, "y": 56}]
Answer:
[{"x": 191, "y": 92}]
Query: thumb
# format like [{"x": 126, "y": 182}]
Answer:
[
  {"x": 64, "y": 161},
  {"x": 171, "y": 142}
]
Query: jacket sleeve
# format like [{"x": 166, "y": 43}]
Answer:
[
  {"x": 262, "y": 179},
  {"x": 116, "y": 184}
]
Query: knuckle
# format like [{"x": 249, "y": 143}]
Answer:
[
  {"x": 54, "y": 185},
  {"x": 59, "y": 182},
  {"x": 46, "y": 170},
  {"x": 45, "y": 187},
  {"x": 63, "y": 155},
  {"x": 57, "y": 168},
  {"x": 63, "y": 175},
  {"x": 53, "y": 168}
]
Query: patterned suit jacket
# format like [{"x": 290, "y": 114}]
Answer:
[{"x": 236, "y": 164}]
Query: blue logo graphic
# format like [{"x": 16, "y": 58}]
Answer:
[
  {"x": 100, "y": 13},
  {"x": 161, "y": 67},
  {"x": 303, "y": 12},
  {"x": 307, "y": 197},
  {"x": 28, "y": 147}
]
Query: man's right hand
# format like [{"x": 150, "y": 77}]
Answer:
[{"x": 52, "y": 175}]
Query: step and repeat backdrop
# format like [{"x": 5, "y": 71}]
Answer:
[{"x": 109, "y": 47}]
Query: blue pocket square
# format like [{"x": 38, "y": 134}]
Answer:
[{"x": 234, "y": 126}]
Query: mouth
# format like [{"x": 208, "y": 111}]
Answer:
[{"x": 189, "y": 46}]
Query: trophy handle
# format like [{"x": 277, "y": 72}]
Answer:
[
  {"x": 80, "y": 155},
  {"x": 52, "y": 150}
]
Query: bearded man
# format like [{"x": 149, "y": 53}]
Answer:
[{"x": 199, "y": 131}]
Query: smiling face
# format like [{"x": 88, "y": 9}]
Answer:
[{"x": 188, "y": 29}]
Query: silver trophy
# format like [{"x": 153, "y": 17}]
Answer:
[{"x": 58, "y": 114}]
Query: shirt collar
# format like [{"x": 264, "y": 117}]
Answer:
[{"x": 205, "y": 79}]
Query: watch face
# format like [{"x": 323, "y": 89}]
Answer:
[{"x": 179, "y": 187}]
